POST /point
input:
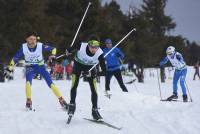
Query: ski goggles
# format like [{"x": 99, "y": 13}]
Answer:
[{"x": 94, "y": 44}]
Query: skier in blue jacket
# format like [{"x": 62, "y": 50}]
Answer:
[
  {"x": 113, "y": 65},
  {"x": 178, "y": 62}
]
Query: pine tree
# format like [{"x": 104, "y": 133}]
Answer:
[{"x": 152, "y": 25}]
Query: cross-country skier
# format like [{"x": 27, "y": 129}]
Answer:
[
  {"x": 178, "y": 62},
  {"x": 32, "y": 51},
  {"x": 113, "y": 65},
  {"x": 88, "y": 55},
  {"x": 196, "y": 67}
]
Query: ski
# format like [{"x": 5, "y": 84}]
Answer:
[
  {"x": 168, "y": 100},
  {"x": 103, "y": 123},
  {"x": 130, "y": 82},
  {"x": 175, "y": 100},
  {"x": 69, "y": 119}
]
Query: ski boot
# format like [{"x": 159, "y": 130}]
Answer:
[
  {"x": 71, "y": 109},
  {"x": 29, "y": 104},
  {"x": 172, "y": 97},
  {"x": 63, "y": 103},
  {"x": 185, "y": 98},
  {"x": 124, "y": 90},
  {"x": 95, "y": 114}
]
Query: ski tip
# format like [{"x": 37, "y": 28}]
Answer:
[
  {"x": 104, "y": 123},
  {"x": 167, "y": 100}
]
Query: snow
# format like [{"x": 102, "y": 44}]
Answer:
[{"x": 139, "y": 111}]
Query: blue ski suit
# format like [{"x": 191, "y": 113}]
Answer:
[{"x": 180, "y": 71}]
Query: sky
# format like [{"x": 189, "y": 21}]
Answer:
[{"x": 184, "y": 13}]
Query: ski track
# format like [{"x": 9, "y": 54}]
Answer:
[{"x": 136, "y": 111}]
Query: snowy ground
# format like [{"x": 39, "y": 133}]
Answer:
[{"x": 139, "y": 111}]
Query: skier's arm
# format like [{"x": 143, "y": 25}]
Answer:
[
  {"x": 102, "y": 64},
  {"x": 47, "y": 48},
  {"x": 72, "y": 49},
  {"x": 120, "y": 54},
  {"x": 180, "y": 58},
  {"x": 164, "y": 61},
  {"x": 15, "y": 59}
]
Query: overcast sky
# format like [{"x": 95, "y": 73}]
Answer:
[{"x": 186, "y": 14}]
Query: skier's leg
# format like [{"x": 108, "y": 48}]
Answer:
[
  {"x": 175, "y": 87},
  {"x": 118, "y": 76},
  {"x": 182, "y": 81},
  {"x": 51, "y": 85},
  {"x": 29, "y": 77},
  {"x": 94, "y": 98},
  {"x": 75, "y": 82},
  {"x": 49, "y": 82},
  {"x": 175, "y": 82},
  {"x": 72, "y": 105},
  {"x": 77, "y": 68},
  {"x": 107, "y": 81},
  {"x": 195, "y": 75},
  {"x": 28, "y": 89},
  {"x": 198, "y": 75}
]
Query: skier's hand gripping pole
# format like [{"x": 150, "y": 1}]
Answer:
[
  {"x": 77, "y": 29},
  {"x": 134, "y": 29}
]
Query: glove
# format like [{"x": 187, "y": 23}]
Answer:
[
  {"x": 52, "y": 58},
  {"x": 87, "y": 74},
  {"x": 68, "y": 51},
  {"x": 7, "y": 72}
]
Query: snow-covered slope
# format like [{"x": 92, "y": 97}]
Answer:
[{"x": 139, "y": 111}]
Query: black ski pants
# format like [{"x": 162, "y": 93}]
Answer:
[
  {"x": 118, "y": 76},
  {"x": 78, "y": 68}
]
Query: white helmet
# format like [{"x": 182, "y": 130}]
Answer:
[{"x": 170, "y": 50}]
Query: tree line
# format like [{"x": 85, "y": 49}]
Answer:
[{"x": 56, "y": 21}]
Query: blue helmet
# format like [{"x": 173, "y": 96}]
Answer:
[{"x": 108, "y": 41}]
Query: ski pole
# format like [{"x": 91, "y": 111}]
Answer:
[
  {"x": 159, "y": 83},
  {"x": 77, "y": 29},
  {"x": 188, "y": 91},
  {"x": 134, "y": 29}
]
